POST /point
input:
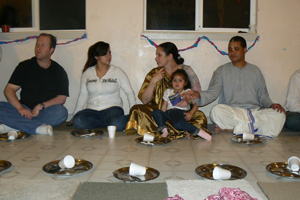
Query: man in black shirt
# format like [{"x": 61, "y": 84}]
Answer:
[{"x": 44, "y": 89}]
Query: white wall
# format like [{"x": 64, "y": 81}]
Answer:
[{"x": 120, "y": 23}]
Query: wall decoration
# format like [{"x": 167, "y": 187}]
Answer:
[
  {"x": 197, "y": 42},
  {"x": 34, "y": 37}
]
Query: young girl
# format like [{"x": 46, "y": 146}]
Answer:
[{"x": 178, "y": 116}]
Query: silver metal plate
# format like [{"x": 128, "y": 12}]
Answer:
[
  {"x": 156, "y": 141},
  {"x": 89, "y": 133},
  {"x": 206, "y": 171},
  {"x": 81, "y": 166},
  {"x": 123, "y": 174},
  {"x": 21, "y": 136},
  {"x": 280, "y": 169},
  {"x": 257, "y": 140},
  {"x": 4, "y": 166}
]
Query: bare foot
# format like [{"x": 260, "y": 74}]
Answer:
[
  {"x": 188, "y": 135},
  {"x": 165, "y": 134},
  {"x": 219, "y": 130}
]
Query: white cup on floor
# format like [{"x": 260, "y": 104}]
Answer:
[
  {"x": 137, "y": 170},
  {"x": 221, "y": 174},
  {"x": 12, "y": 135},
  {"x": 148, "y": 138},
  {"x": 294, "y": 163},
  {"x": 111, "y": 131},
  {"x": 248, "y": 136},
  {"x": 67, "y": 162}
]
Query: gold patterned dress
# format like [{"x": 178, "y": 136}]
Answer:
[{"x": 140, "y": 116}]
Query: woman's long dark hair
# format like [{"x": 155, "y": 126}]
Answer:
[
  {"x": 97, "y": 49},
  {"x": 169, "y": 47},
  {"x": 184, "y": 75}
]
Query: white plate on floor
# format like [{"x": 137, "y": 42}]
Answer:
[
  {"x": 280, "y": 169},
  {"x": 257, "y": 140},
  {"x": 21, "y": 137},
  {"x": 81, "y": 166},
  {"x": 206, "y": 171},
  {"x": 123, "y": 174}
]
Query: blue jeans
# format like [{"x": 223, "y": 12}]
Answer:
[
  {"x": 176, "y": 117},
  {"x": 90, "y": 119},
  {"x": 53, "y": 115},
  {"x": 292, "y": 121}
]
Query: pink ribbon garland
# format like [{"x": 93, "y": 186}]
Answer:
[
  {"x": 197, "y": 42},
  {"x": 34, "y": 37}
]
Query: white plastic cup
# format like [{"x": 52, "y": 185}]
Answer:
[
  {"x": 221, "y": 174},
  {"x": 148, "y": 138},
  {"x": 294, "y": 163},
  {"x": 67, "y": 162},
  {"x": 248, "y": 136},
  {"x": 111, "y": 131},
  {"x": 12, "y": 135},
  {"x": 252, "y": 28},
  {"x": 137, "y": 170}
]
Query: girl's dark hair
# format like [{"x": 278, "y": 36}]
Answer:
[
  {"x": 184, "y": 75},
  {"x": 169, "y": 47},
  {"x": 97, "y": 49}
]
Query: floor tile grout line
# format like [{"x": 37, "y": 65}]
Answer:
[
  {"x": 194, "y": 154},
  {"x": 102, "y": 157}
]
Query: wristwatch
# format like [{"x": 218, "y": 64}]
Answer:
[{"x": 43, "y": 105}]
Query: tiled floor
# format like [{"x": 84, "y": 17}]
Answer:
[{"x": 175, "y": 161}]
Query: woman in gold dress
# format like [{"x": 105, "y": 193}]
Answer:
[{"x": 151, "y": 93}]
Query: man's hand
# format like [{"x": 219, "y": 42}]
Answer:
[
  {"x": 24, "y": 112},
  {"x": 278, "y": 108},
  {"x": 36, "y": 110},
  {"x": 190, "y": 95},
  {"x": 187, "y": 97}
]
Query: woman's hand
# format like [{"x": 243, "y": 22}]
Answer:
[
  {"x": 159, "y": 75},
  {"x": 147, "y": 95}
]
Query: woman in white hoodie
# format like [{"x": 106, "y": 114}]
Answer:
[{"x": 99, "y": 103}]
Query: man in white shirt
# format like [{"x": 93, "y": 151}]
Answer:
[
  {"x": 244, "y": 102},
  {"x": 292, "y": 103}
]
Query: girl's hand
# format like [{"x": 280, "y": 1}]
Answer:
[
  {"x": 188, "y": 116},
  {"x": 183, "y": 103}
]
